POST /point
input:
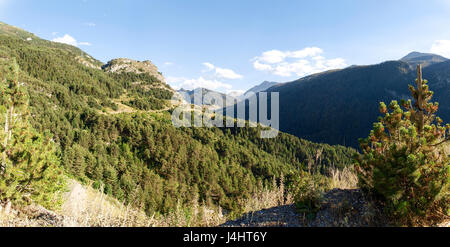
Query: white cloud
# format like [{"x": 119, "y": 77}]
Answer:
[
  {"x": 301, "y": 67},
  {"x": 301, "y": 62},
  {"x": 227, "y": 74},
  {"x": 212, "y": 78},
  {"x": 208, "y": 66},
  {"x": 307, "y": 52},
  {"x": 318, "y": 58},
  {"x": 273, "y": 56},
  {"x": 221, "y": 72},
  {"x": 168, "y": 64},
  {"x": 441, "y": 47},
  {"x": 276, "y": 56},
  {"x": 235, "y": 93},
  {"x": 67, "y": 39},
  {"x": 201, "y": 82},
  {"x": 259, "y": 66},
  {"x": 336, "y": 63}
]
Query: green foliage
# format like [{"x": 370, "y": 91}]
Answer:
[
  {"x": 145, "y": 91},
  {"x": 29, "y": 170},
  {"x": 403, "y": 162},
  {"x": 140, "y": 158},
  {"x": 308, "y": 192}
]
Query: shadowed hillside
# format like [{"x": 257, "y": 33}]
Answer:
[{"x": 339, "y": 107}]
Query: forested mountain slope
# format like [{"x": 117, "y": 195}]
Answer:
[
  {"x": 139, "y": 157},
  {"x": 339, "y": 107},
  {"x": 262, "y": 87}
]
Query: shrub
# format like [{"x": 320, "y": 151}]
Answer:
[
  {"x": 29, "y": 166},
  {"x": 309, "y": 191},
  {"x": 403, "y": 165}
]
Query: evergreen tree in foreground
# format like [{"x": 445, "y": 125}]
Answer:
[
  {"x": 29, "y": 165},
  {"x": 404, "y": 164}
]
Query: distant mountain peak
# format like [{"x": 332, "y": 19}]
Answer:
[
  {"x": 425, "y": 59},
  {"x": 262, "y": 87}
]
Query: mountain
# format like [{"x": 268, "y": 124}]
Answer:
[
  {"x": 203, "y": 91},
  {"x": 137, "y": 67},
  {"x": 262, "y": 87},
  {"x": 113, "y": 129},
  {"x": 227, "y": 99},
  {"x": 339, "y": 107},
  {"x": 425, "y": 59}
]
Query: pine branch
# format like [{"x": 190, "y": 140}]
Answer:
[{"x": 442, "y": 142}]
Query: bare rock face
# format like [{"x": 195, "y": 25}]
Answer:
[
  {"x": 128, "y": 65},
  {"x": 87, "y": 61}
]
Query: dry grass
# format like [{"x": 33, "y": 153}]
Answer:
[
  {"x": 195, "y": 216},
  {"x": 87, "y": 207},
  {"x": 447, "y": 149},
  {"x": 278, "y": 196},
  {"x": 269, "y": 198},
  {"x": 8, "y": 216},
  {"x": 345, "y": 179}
]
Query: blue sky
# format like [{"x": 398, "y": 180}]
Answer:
[{"x": 235, "y": 44}]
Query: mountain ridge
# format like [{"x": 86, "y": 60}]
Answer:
[
  {"x": 262, "y": 87},
  {"x": 319, "y": 107},
  {"x": 424, "y": 59},
  {"x": 338, "y": 107}
]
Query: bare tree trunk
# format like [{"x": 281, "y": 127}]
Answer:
[
  {"x": 420, "y": 99},
  {"x": 11, "y": 123},
  {"x": 6, "y": 128},
  {"x": 5, "y": 142}
]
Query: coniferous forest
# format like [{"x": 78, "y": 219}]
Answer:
[
  {"x": 65, "y": 118},
  {"x": 139, "y": 157}
]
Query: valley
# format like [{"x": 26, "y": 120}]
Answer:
[
  {"x": 108, "y": 139},
  {"x": 133, "y": 152}
]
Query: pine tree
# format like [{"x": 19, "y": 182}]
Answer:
[
  {"x": 29, "y": 169},
  {"x": 404, "y": 164}
]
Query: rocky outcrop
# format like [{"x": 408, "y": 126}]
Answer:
[
  {"x": 339, "y": 208},
  {"x": 128, "y": 65},
  {"x": 347, "y": 208},
  {"x": 30, "y": 216},
  {"x": 88, "y": 61}
]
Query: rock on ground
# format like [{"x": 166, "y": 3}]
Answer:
[{"x": 340, "y": 208}]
